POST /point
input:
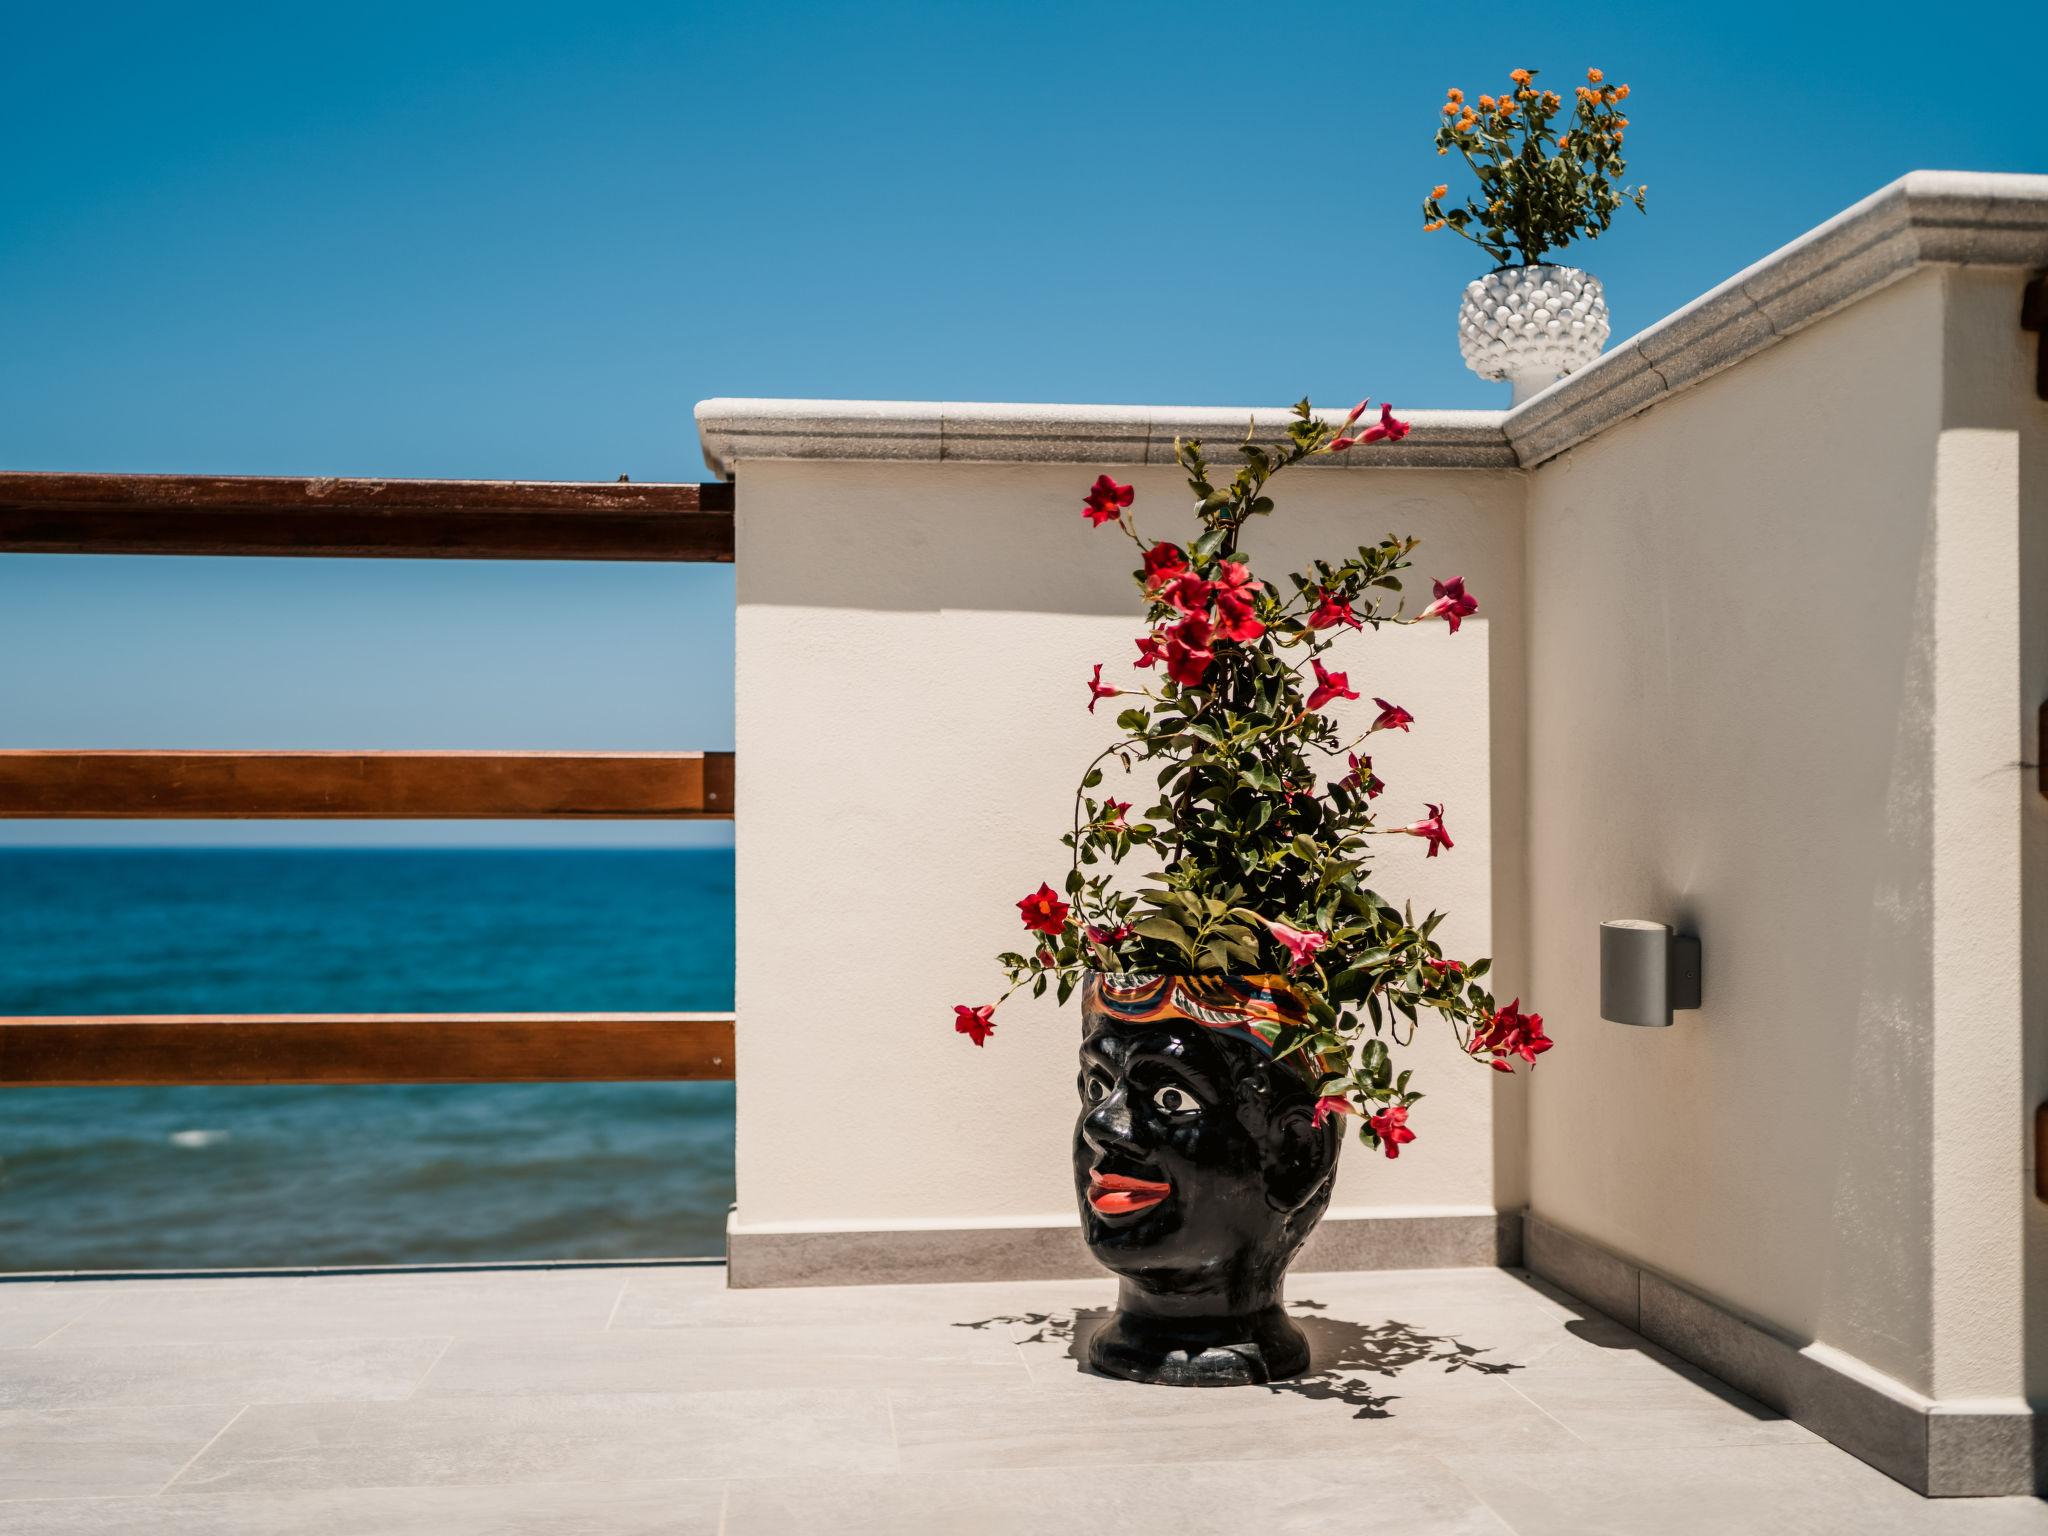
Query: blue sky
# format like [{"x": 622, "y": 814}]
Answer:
[{"x": 521, "y": 241}]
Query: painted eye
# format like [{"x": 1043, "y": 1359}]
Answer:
[{"x": 1175, "y": 1101}]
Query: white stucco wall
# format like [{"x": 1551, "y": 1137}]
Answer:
[
  {"x": 912, "y": 644},
  {"x": 1780, "y": 694},
  {"x": 1765, "y": 628}
]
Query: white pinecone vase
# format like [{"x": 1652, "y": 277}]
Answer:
[{"x": 1531, "y": 325}]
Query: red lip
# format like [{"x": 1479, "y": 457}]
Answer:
[{"x": 1119, "y": 1194}]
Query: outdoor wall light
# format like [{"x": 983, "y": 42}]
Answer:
[{"x": 1647, "y": 972}]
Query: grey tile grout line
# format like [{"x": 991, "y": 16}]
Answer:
[
  {"x": 439, "y": 1355},
  {"x": 1562, "y": 1426},
  {"x": 91, "y": 1306},
  {"x": 1485, "y": 1503},
  {"x": 193, "y": 1459},
  {"x": 1030, "y": 1376}
]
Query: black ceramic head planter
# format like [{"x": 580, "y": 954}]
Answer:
[{"x": 1200, "y": 1172}]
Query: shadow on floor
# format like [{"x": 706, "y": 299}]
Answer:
[{"x": 1345, "y": 1358}]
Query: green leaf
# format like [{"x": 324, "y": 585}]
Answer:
[
  {"x": 1291, "y": 1039},
  {"x": 1161, "y": 927}
]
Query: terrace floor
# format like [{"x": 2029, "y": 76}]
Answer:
[{"x": 651, "y": 1399}]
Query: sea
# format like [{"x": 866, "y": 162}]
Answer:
[{"x": 230, "y": 1178}]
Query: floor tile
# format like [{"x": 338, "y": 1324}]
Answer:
[
  {"x": 697, "y": 1360},
  {"x": 160, "y": 1375},
  {"x": 642, "y": 1401},
  {"x": 385, "y": 1306},
  {"x": 30, "y": 1315},
  {"x": 75, "y": 1453},
  {"x": 582, "y": 1438},
  {"x": 1112, "y": 1423},
  {"x": 1786, "y": 1490},
  {"x": 665, "y": 1300},
  {"x": 1415, "y": 1496},
  {"x": 574, "y": 1509},
  {"x": 1663, "y": 1411}
]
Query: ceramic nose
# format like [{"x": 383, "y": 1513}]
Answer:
[{"x": 1107, "y": 1127}]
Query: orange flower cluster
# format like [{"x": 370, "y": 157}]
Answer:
[
  {"x": 1550, "y": 171},
  {"x": 1455, "y": 108}
]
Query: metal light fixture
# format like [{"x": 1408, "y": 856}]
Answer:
[{"x": 1647, "y": 972}]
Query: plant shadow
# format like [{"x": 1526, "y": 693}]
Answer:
[{"x": 1347, "y": 1361}]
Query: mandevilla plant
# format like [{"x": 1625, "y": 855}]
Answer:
[
  {"x": 1252, "y": 870},
  {"x": 1539, "y": 189}
]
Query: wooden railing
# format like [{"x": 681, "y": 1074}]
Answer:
[
  {"x": 381, "y": 786},
  {"x": 445, "y": 519},
  {"x": 418, "y": 519}
]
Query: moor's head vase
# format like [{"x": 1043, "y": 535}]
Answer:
[{"x": 1200, "y": 1171}]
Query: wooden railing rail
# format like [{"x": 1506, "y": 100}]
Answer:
[
  {"x": 437, "y": 519},
  {"x": 76, "y": 1051},
  {"x": 367, "y": 785},
  {"x": 421, "y": 519}
]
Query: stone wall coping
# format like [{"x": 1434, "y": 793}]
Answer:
[{"x": 1925, "y": 218}]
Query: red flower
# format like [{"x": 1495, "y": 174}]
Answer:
[
  {"x": 1164, "y": 563},
  {"x": 1186, "y": 664},
  {"x": 1446, "y": 969},
  {"x": 1328, "y": 1105},
  {"x": 1302, "y": 944},
  {"x": 1431, "y": 827},
  {"x": 1390, "y": 429},
  {"x": 1341, "y": 441},
  {"x": 1149, "y": 650},
  {"x": 1392, "y": 717},
  {"x": 1331, "y": 611},
  {"x": 1097, "y": 692},
  {"x": 1106, "y": 501},
  {"x": 1236, "y": 596},
  {"x": 1188, "y": 650},
  {"x": 1361, "y": 776},
  {"x": 1190, "y": 594},
  {"x": 1391, "y": 1126},
  {"x": 975, "y": 1023},
  {"x": 1329, "y": 685},
  {"x": 1043, "y": 911},
  {"x": 1114, "y": 935},
  {"x": 1113, "y": 814},
  {"x": 1452, "y": 602},
  {"x": 1510, "y": 1032}
]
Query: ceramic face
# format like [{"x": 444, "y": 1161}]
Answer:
[{"x": 1194, "y": 1157}]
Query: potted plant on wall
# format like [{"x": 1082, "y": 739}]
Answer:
[
  {"x": 1540, "y": 188},
  {"x": 1239, "y": 998}
]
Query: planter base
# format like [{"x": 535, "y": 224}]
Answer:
[{"x": 1182, "y": 1352}]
